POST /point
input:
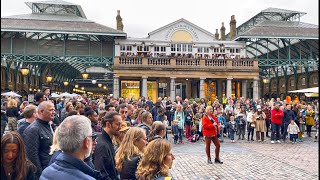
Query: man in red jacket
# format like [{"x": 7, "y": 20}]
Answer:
[{"x": 276, "y": 121}]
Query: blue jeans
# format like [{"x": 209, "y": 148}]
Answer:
[
  {"x": 180, "y": 133},
  {"x": 221, "y": 133},
  {"x": 232, "y": 132},
  {"x": 293, "y": 137},
  {"x": 284, "y": 133},
  {"x": 275, "y": 128}
]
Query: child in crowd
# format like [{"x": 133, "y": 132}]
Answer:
[
  {"x": 300, "y": 120},
  {"x": 160, "y": 115},
  {"x": 241, "y": 126},
  {"x": 166, "y": 124},
  {"x": 232, "y": 128},
  {"x": 293, "y": 130},
  {"x": 222, "y": 121},
  {"x": 194, "y": 134},
  {"x": 175, "y": 131}
]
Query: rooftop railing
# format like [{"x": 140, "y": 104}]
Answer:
[{"x": 175, "y": 62}]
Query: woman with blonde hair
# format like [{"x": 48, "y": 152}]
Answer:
[
  {"x": 116, "y": 140},
  {"x": 211, "y": 130},
  {"x": 156, "y": 161},
  {"x": 130, "y": 152},
  {"x": 13, "y": 115}
]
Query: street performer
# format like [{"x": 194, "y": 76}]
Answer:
[{"x": 211, "y": 130}]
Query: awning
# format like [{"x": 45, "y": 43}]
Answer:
[
  {"x": 308, "y": 90},
  {"x": 312, "y": 94}
]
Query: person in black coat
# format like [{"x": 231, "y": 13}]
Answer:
[
  {"x": 38, "y": 136},
  {"x": 104, "y": 152}
]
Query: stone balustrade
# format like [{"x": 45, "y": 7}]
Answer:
[{"x": 172, "y": 62}]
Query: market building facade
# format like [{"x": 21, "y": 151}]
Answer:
[{"x": 182, "y": 59}]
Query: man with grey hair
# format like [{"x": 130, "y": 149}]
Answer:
[
  {"x": 38, "y": 136},
  {"x": 76, "y": 141}
]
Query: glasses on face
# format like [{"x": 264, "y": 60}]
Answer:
[
  {"x": 93, "y": 137},
  {"x": 123, "y": 112}
]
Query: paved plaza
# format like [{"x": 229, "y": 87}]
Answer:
[{"x": 248, "y": 160}]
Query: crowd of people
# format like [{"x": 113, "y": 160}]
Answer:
[{"x": 121, "y": 138}]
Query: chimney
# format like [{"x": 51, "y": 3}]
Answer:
[
  {"x": 222, "y": 32},
  {"x": 216, "y": 35},
  {"x": 233, "y": 27},
  {"x": 119, "y": 22}
]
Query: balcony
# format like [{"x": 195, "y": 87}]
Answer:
[{"x": 176, "y": 63}]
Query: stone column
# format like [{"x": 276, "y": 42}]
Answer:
[
  {"x": 116, "y": 86},
  {"x": 255, "y": 88},
  {"x": 244, "y": 88},
  {"x": 172, "y": 89},
  {"x": 202, "y": 87},
  {"x": 219, "y": 89},
  {"x": 168, "y": 87},
  {"x": 229, "y": 89},
  {"x": 144, "y": 86}
]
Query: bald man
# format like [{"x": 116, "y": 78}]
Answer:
[{"x": 38, "y": 136}]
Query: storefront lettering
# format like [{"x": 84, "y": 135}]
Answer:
[{"x": 182, "y": 27}]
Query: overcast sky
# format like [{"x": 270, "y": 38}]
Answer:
[{"x": 143, "y": 16}]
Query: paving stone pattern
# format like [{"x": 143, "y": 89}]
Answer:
[{"x": 248, "y": 160}]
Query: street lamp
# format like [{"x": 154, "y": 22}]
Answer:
[
  {"x": 24, "y": 70},
  {"x": 65, "y": 83},
  {"x": 85, "y": 75},
  {"x": 82, "y": 88},
  {"x": 265, "y": 80},
  {"x": 76, "y": 86},
  {"x": 99, "y": 85},
  {"x": 94, "y": 81},
  {"x": 49, "y": 78},
  {"x": 105, "y": 87}
]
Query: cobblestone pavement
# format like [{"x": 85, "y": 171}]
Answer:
[{"x": 248, "y": 160}]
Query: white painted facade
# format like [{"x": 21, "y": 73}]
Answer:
[{"x": 162, "y": 38}]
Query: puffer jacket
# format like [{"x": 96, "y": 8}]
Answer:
[
  {"x": 38, "y": 139},
  {"x": 69, "y": 167}
]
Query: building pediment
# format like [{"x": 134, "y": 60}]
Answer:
[{"x": 181, "y": 31}]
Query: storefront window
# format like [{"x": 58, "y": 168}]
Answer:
[
  {"x": 130, "y": 89},
  {"x": 152, "y": 90},
  {"x": 210, "y": 91}
]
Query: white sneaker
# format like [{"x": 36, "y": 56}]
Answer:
[
  {"x": 272, "y": 142},
  {"x": 279, "y": 141}
]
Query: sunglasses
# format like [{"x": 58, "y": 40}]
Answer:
[{"x": 94, "y": 137}]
